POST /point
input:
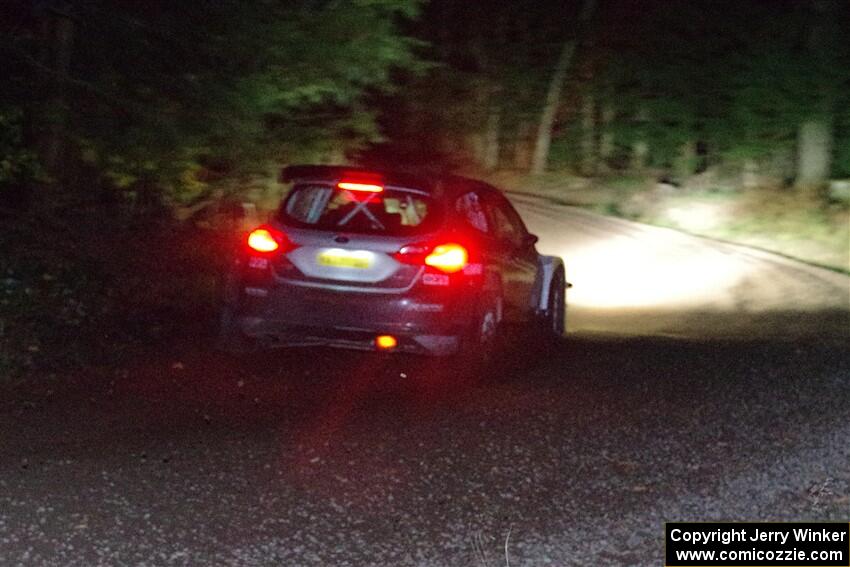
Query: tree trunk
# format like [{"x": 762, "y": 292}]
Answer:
[
  {"x": 540, "y": 159},
  {"x": 606, "y": 136},
  {"x": 640, "y": 146},
  {"x": 814, "y": 135},
  {"x": 522, "y": 145},
  {"x": 60, "y": 30},
  {"x": 750, "y": 174},
  {"x": 491, "y": 136},
  {"x": 640, "y": 153},
  {"x": 686, "y": 162},
  {"x": 588, "y": 135},
  {"x": 553, "y": 96},
  {"x": 814, "y": 150}
]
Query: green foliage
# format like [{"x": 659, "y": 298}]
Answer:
[
  {"x": 18, "y": 164},
  {"x": 91, "y": 289},
  {"x": 737, "y": 78},
  {"x": 700, "y": 84},
  {"x": 160, "y": 91},
  {"x": 481, "y": 62},
  {"x": 842, "y": 136}
]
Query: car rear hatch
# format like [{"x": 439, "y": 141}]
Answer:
[{"x": 345, "y": 234}]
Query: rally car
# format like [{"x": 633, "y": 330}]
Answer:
[{"x": 391, "y": 261}]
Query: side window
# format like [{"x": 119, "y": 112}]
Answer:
[
  {"x": 471, "y": 209},
  {"x": 508, "y": 226}
]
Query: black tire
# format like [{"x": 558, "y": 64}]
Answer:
[
  {"x": 231, "y": 339},
  {"x": 482, "y": 341},
  {"x": 553, "y": 324}
]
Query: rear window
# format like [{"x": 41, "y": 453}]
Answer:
[{"x": 392, "y": 211}]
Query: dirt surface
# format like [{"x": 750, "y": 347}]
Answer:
[
  {"x": 698, "y": 382},
  {"x": 642, "y": 280}
]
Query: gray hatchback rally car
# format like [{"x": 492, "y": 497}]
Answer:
[{"x": 380, "y": 260}]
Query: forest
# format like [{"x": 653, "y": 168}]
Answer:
[
  {"x": 122, "y": 122},
  {"x": 169, "y": 102}
]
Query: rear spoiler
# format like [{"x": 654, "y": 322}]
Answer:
[
  {"x": 295, "y": 172},
  {"x": 334, "y": 173}
]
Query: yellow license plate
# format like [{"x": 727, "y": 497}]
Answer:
[{"x": 346, "y": 259}]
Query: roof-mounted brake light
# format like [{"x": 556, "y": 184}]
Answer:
[{"x": 365, "y": 187}]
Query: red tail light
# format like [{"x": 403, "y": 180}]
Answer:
[
  {"x": 265, "y": 240},
  {"x": 449, "y": 258}
]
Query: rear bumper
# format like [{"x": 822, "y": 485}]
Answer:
[
  {"x": 280, "y": 334},
  {"x": 423, "y": 323}
]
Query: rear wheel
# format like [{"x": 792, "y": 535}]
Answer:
[
  {"x": 553, "y": 322},
  {"x": 480, "y": 345},
  {"x": 231, "y": 339}
]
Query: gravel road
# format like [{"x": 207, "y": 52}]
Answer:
[{"x": 699, "y": 381}]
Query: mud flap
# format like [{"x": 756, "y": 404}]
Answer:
[{"x": 548, "y": 266}]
